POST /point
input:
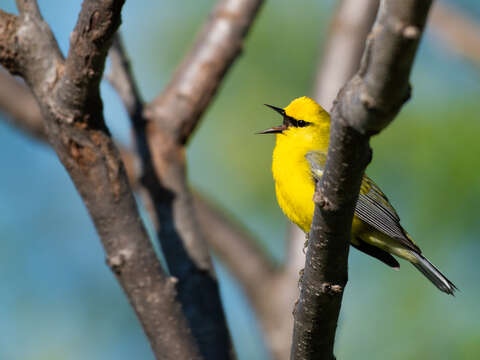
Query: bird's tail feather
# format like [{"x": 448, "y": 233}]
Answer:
[{"x": 433, "y": 274}]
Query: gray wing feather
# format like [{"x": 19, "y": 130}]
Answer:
[
  {"x": 317, "y": 161},
  {"x": 383, "y": 217},
  {"x": 372, "y": 206}
]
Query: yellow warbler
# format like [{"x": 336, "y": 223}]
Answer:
[{"x": 298, "y": 161}]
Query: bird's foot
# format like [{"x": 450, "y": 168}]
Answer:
[{"x": 305, "y": 244}]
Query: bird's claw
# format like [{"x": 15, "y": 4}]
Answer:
[{"x": 305, "y": 244}]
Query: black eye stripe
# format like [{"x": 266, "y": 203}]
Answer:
[{"x": 296, "y": 123}]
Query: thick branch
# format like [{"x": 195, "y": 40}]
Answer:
[
  {"x": 174, "y": 115},
  {"x": 366, "y": 105},
  {"x": 341, "y": 56},
  {"x": 20, "y": 34},
  {"x": 89, "y": 43},
  {"x": 227, "y": 241},
  {"x": 196, "y": 275},
  {"x": 69, "y": 100}
]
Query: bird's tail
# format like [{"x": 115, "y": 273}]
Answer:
[{"x": 433, "y": 274}]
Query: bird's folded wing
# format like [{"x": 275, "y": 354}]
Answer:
[
  {"x": 317, "y": 160},
  {"x": 372, "y": 205}
]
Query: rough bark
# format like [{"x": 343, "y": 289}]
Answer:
[
  {"x": 366, "y": 104},
  {"x": 68, "y": 94}
]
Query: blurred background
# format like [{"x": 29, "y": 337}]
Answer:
[{"x": 58, "y": 299}]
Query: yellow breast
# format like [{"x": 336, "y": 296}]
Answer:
[{"x": 294, "y": 184}]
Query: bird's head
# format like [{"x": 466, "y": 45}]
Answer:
[{"x": 303, "y": 119}]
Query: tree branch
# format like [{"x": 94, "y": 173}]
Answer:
[
  {"x": 227, "y": 241},
  {"x": 365, "y": 106},
  {"x": 204, "y": 311},
  {"x": 69, "y": 99},
  {"x": 178, "y": 109},
  {"x": 341, "y": 56},
  {"x": 123, "y": 81},
  {"x": 245, "y": 259},
  {"x": 170, "y": 120}
]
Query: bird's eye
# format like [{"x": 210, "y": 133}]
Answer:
[{"x": 302, "y": 123}]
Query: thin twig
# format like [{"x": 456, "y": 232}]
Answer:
[
  {"x": 367, "y": 104},
  {"x": 123, "y": 81}
]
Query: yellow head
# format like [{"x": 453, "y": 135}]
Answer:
[{"x": 305, "y": 125}]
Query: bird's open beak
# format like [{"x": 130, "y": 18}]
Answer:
[{"x": 275, "y": 129}]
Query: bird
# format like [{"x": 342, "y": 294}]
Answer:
[{"x": 298, "y": 162}]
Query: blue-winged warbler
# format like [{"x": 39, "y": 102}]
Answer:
[{"x": 298, "y": 161}]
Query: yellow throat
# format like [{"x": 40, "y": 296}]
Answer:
[{"x": 306, "y": 127}]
